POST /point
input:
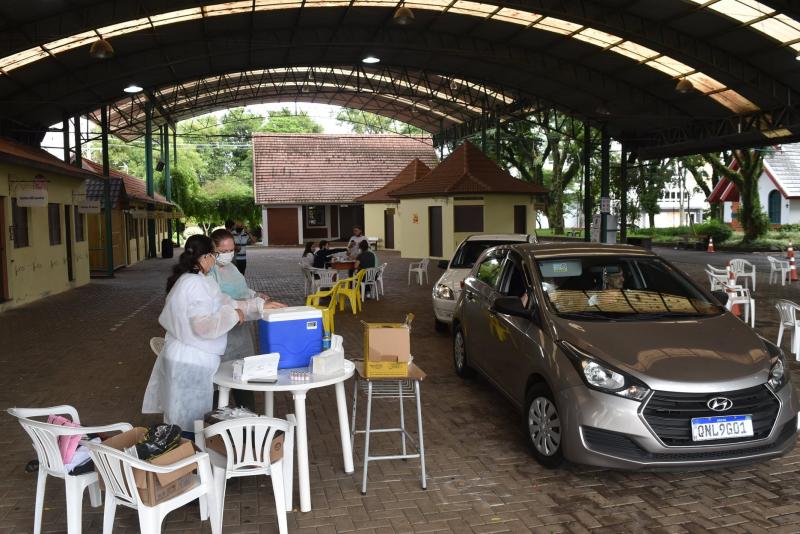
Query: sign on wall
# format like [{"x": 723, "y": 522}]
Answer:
[
  {"x": 33, "y": 196},
  {"x": 89, "y": 207}
]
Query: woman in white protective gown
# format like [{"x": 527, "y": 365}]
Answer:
[{"x": 197, "y": 317}]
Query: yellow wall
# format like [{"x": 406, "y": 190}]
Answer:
[
  {"x": 40, "y": 269},
  {"x": 374, "y": 223},
  {"x": 498, "y": 218}
]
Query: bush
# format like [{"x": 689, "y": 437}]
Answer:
[{"x": 721, "y": 232}]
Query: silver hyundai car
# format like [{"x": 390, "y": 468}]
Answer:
[{"x": 617, "y": 359}]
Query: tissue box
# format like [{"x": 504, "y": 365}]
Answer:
[
  {"x": 387, "y": 349},
  {"x": 294, "y": 332}
]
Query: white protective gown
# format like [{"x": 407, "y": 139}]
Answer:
[
  {"x": 242, "y": 338},
  {"x": 197, "y": 317}
]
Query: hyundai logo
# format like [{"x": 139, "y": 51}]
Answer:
[{"x": 720, "y": 404}]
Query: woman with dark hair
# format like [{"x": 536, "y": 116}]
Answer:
[
  {"x": 197, "y": 317},
  {"x": 308, "y": 253}
]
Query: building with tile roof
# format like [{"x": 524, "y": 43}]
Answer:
[
  {"x": 380, "y": 208},
  {"x": 43, "y": 245},
  {"x": 308, "y": 184},
  {"x": 129, "y": 215},
  {"x": 465, "y": 194},
  {"x": 778, "y": 188}
]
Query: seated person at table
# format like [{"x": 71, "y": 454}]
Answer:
[
  {"x": 354, "y": 242},
  {"x": 323, "y": 254},
  {"x": 308, "y": 254},
  {"x": 366, "y": 258}
]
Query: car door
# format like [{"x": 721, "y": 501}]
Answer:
[
  {"x": 515, "y": 342},
  {"x": 479, "y": 290}
]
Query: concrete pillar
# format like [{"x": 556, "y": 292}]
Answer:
[{"x": 107, "y": 191}]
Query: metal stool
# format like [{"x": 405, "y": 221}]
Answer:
[{"x": 390, "y": 388}]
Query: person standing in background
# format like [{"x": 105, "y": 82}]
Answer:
[
  {"x": 241, "y": 238},
  {"x": 355, "y": 240}
]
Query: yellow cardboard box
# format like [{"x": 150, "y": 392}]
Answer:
[{"x": 387, "y": 349}]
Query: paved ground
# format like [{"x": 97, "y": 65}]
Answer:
[{"x": 89, "y": 348}]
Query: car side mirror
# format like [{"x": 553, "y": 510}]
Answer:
[
  {"x": 721, "y": 296},
  {"x": 510, "y": 306},
  {"x": 443, "y": 264}
]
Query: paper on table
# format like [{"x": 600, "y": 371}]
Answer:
[{"x": 259, "y": 366}]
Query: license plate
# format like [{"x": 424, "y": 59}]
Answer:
[{"x": 722, "y": 427}]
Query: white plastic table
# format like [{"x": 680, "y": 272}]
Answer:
[{"x": 224, "y": 379}]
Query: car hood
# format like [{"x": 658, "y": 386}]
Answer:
[
  {"x": 452, "y": 278},
  {"x": 705, "y": 355}
]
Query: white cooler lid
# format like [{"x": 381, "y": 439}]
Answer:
[{"x": 292, "y": 313}]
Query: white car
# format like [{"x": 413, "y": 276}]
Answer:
[{"x": 448, "y": 287}]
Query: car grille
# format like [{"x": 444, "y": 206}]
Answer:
[
  {"x": 621, "y": 446},
  {"x": 670, "y": 414}
]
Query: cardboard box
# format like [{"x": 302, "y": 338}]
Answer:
[
  {"x": 157, "y": 487},
  {"x": 387, "y": 349}
]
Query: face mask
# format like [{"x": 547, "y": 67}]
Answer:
[{"x": 225, "y": 258}]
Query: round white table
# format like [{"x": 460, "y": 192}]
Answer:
[{"x": 224, "y": 379}]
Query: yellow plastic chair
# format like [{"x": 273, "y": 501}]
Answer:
[
  {"x": 351, "y": 288},
  {"x": 328, "y": 310}
]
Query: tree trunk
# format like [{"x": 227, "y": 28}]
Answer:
[
  {"x": 750, "y": 210},
  {"x": 651, "y": 218}
]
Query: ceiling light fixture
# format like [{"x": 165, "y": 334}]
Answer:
[
  {"x": 133, "y": 88},
  {"x": 101, "y": 49},
  {"x": 684, "y": 86},
  {"x": 371, "y": 60},
  {"x": 403, "y": 16}
]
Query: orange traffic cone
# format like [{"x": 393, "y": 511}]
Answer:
[
  {"x": 710, "y": 245},
  {"x": 735, "y": 309},
  {"x": 790, "y": 251},
  {"x": 792, "y": 268}
]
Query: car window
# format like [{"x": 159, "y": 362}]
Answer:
[
  {"x": 514, "y": 283},
  {"x": 469, "y": 252},
  {"x": 489, "y": 270}
]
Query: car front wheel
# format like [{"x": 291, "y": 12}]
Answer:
[
  {"x": 460, "y": 354},
  {"x": 543, "y": 425}
]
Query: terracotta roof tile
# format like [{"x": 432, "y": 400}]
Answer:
[
  {"x": 411, "y": 173},
  {"x": 322, "y": 168},
  {"x": 22, "y": 154},
  {"x": 468, "y": 170},
  {"x": 134, "y": 188}
]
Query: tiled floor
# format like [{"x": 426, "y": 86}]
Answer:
[{"x": 89, "y": 348}]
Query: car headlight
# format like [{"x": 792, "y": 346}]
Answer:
[
  {"x": 442, "y": 291},
  {"x": 778, "y": 375},
  {"x": 602, "y": 377}
]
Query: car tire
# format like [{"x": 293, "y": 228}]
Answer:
[
  {"x": 543, "y": 426},
  {"x": 439, "y": 326},
  {"x": 460, "y": 354}
]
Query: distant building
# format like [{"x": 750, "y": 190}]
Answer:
[
  {"x": 675, "y": 203},
  {"x": 308, "y": 184},
  {"x": 778, "y": 189}
]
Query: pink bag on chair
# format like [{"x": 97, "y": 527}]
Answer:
[{"x": 66, "y": 444}]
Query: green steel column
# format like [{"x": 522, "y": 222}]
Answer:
[
  {"x": 107, "y": 191},
  {"x": 148, "y": 170},
  {"x": 167, "y": 178},
  {"x": 65, "y": 135},
  {"x": 587, "y": 181},
  {"x": 623, "y": 201},
  {"x": 78, "y": 155},
  {"x": 605, "y": 182}
]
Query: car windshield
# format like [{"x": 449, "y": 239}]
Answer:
[
  {"x": 468, "y": 253},
  {"x": 602, "y": 287}
]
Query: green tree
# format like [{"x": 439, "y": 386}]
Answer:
[
  {"x": 364, "y": 122},
  {"x": 285, "y": 121},
  {"x": 745, "y": 173}
]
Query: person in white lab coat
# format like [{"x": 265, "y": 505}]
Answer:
[
  {"x": 197, "y": 317},
  {"x": 243, "y": 338}
]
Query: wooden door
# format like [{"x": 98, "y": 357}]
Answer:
[
  {"x": 3, "y": 272},
  {"x": 388, "y": 228},
  {"x": 520, "y": 219},
  {"x": 68, "y": 232},
  {"x": 435, "y": 231},
  {"x": 282, "y": 226}
]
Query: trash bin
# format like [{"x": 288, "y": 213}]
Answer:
[{"x": 166, "y": 248}]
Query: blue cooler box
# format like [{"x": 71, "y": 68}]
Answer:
[{"x": 295, "y": 333}]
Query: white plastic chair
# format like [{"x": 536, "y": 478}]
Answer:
[
  {"x": 744, "y": 269},
  {"x": 116, "y": 469},
  {"x": 248, "y": 442},
  {"x": 322, "y": 279},
  {"x": 741, "y": 296},
  {"x": 778, "y": 268},
  {"x": 370, "y": 280},
  {"x": 787, "y": 310},
  {"x": 717, "y": 278},
  {"x": 45, "y": 440},
  {"x": 157, "y": 344},
  {"x": 305, "y": 270},
  {"x": 379, "y": 277},
  {"x": 420, "y": 268}
]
